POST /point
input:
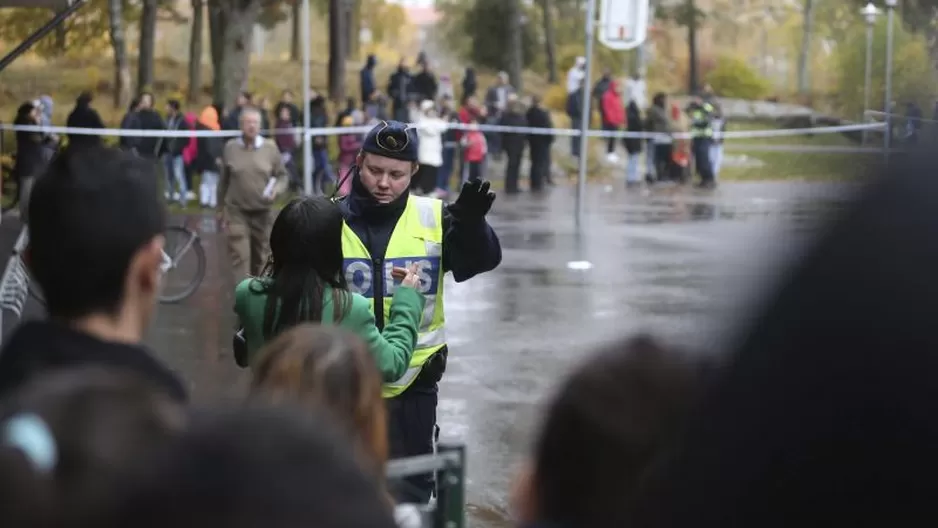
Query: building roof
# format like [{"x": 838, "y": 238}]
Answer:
[{"x": 420, "y": 16}]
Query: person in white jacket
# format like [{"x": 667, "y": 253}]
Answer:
[{"x": 430, "y": 129}]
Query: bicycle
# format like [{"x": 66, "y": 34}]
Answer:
[{"x": 172, "y": 259}]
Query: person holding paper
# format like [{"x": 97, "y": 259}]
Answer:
[{"x": 252, "y": 176}]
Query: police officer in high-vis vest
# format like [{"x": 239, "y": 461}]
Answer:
[
  {"x": 701, "y": 132},
  {"x": 386, "y": 227}
]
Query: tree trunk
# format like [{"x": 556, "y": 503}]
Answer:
[
  {"x": 515, "y": 42},
  {"x": 296, "y": 30},
  {"x": 549, "y": 41},
  {"x": 337, "y": 50},
  {"x": 195, "y": 51},
  {"x": 216, "y": 38},
  {"x": 355, "y": 30},
  {"x": 121, "y": 64},
  {"x": 232, "y": 25},
  {"x": 692, "y": 82},
  {"x": 804, "y": 57},
  {"x": 61, "y": 40},
  {"x": 147, "y": 48}
]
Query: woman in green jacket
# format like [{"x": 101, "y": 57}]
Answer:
[{"x": 304, "y": 282}]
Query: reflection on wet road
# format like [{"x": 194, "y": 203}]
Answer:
[{"x": 659, "y": 264}]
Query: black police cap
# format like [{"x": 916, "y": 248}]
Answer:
[{"x": 392, "y": 139}]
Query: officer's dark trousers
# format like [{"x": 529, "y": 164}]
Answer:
[
  {"x": 701, "y": 150},
  {"x": 411, "y": 431}
]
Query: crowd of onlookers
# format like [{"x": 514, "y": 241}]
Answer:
[{"x": 191, "y": 170}]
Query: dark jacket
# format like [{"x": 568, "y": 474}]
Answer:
[
  {"x": 318, "y": 118},
  {"x": 425, "y": 86},
  {"x": 173, "y": 146},
  {"x": 513, "y": 143},
  {"x": 399, "y": 88},
  {"x": 469, "y": 83},
  {"x": 37, "y": 347},
  {"x": 575, "y": 104},
  {"x": 209, "y": 150},
  {"x": 468, "y": 250},
  {"x": 366, "y": 79},
  {"x": 149, "y": 119},
  {"x": 538, "y": 117},
  {"x": 83, "y": 116},
  {"x": 131, "y": 121},
  {"x": 633, "y": 123},
  {"x": 29, "y": 151}
]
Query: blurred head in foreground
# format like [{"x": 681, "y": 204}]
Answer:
[
  {"x": 826, "y": 413},
  {"x": 328, "y": 370},
  {"x": 259, "y": 468},
  {"x": 604, "y": 434},
  {"x": 73, "y": 441}
]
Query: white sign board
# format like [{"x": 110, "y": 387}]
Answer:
[{"x": 623, "y": 24}]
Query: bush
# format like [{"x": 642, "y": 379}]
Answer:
[
  {"x": 731, "y": 77},
  {"x": 912, "y": 76},
  {"x": 555, "y": 98}
]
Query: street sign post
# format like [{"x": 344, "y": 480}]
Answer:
[{"x": 623, "y": 24}]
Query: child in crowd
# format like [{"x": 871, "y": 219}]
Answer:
[{"x": 475, "y": 148}]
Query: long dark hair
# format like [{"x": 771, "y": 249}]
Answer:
[
  {"x": 305, "y": 256},
  {"x": 22, "y": 115}
]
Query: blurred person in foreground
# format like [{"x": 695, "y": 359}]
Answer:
[
  {"x": 605, "y": 432},
  {"x": 328, "y": 370},
  {"x": 252, "y": 178},
  {"x": 304, "y": 281},
  {"x": 824, "y": 414},
  {"x": 95, "y": 251},
  {"x": 259, "y": 468},
  {"x": 387, "y": 227},
  {"x": 74, "y": 441}
]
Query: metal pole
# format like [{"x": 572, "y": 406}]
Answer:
[
  {"x": 887, "y": 137},
  {"x": 307, "y": 142},
  {"x": 868, "y": 75},
  {"x": 585, "y": 113}
]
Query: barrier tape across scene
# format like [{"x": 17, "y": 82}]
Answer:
[{"x": 658, "y": 137}]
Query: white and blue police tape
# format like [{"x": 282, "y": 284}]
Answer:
[{"x": 333, "y": 131}]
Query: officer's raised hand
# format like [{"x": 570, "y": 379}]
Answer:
[{"x": 475, "y": 200}]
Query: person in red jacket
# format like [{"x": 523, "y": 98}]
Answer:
[
  {"x": 613, "y": 114},
  {"x": 474, "y": 149}
]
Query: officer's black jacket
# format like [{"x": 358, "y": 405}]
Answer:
[{"x": 468, "y": 248}]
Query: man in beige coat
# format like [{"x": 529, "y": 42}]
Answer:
[{"x": 252, "y": 176}]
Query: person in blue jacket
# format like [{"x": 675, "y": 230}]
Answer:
[{"x": 455, "y": 238}]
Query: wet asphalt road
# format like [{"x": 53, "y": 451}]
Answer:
[{"x": 674, "y": 262}]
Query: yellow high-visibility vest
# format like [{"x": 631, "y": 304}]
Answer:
[{"x": 417, "y": 239}]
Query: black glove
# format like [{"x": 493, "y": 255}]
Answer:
[
  {"x": 475, "y": 200},
  {"x": 240, "y": 347}
]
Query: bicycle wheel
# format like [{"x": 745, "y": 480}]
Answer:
[{"x": 187, "y": 266}]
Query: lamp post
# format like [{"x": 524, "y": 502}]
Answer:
[
  {"x": 890, "y": 15},
  {"x": 870, "y": 12}
]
